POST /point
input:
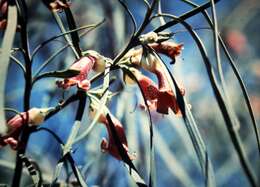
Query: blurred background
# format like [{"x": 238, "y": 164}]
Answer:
[{"x": 175, "y": 158}]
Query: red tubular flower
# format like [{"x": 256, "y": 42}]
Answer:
[
  {"x": 166, "y": 98},
  {"x": 109, "y": 145},
  {"x": 160, "y": 98},
  {"x": 56, "y": 5},
  {"x": 34, "y": 117},
  {"x": 167, "y": 48},
  {"x": 84, "y": 65},
  {"x": 91, "y": 60}
]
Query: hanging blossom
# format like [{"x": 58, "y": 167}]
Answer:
[
  {"x": 168, "y": 48},
  {"x": 109, "y": 146},
  {"x": 34, "y": 117},
  {"x": 158, "y": 42},
  {"x": 90, "y": 60},
  {"x": 159, "y": 98},
  {"x": 56, "y": 5}
]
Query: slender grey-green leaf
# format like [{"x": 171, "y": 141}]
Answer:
[
  {"x": 58, "y": 74},
  {"x": 5, "y": 57},
  {"x": 33, "y": 171}
]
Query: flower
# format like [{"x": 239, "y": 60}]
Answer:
[
  {"x": 90, "y": 60},
  {"x": 84, "y": 65},
  {"x": 109, "y": 145},
  {"x": 34, "y": 117},
  {"x": 162, "y": 97},
  {"x": 168, "y": 48},
  {"x": 56, "y": 5},
  {"x": 159, "y": 98}
]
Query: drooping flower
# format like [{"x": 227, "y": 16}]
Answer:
[
  {"x": 159, "y": 98},
  {"x": 165, "y": 97},
  {"x": 56, "y": 5},
  {"x": 109, "y": 145},
  {"x": 34, "y": 117},
  {"x": 84, "y": 65},
  {"x": 91, "y": 60},
  {"x": 168, "y": 48}
]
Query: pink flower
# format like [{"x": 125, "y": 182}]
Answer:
[
  {"x": 109, "y": 145},
  {"x": 84, "y": 65},
  {"x": 162, "y": 97},
  {"x": 34, "y": 117},
  {"x": 159, "y": 98},
  {"x": 167, "y": 48},
  {"x": 91, "y": 60}
]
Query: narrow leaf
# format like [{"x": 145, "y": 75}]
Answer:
[
  {"x": 68, "y": 73},
  {"x": 33, "y": 171},
  {"x": 5, "y": 57}
]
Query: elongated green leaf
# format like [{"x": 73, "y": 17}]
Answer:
[
  {"x": 63, "y": 30},
  {"x": 5, "y": 57},
  {"x": 33, "y": 170},
  {"x": 68, "y": 73},
  {"x": 72, "y": 26},
  {"x": 59, "y": 51}
]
